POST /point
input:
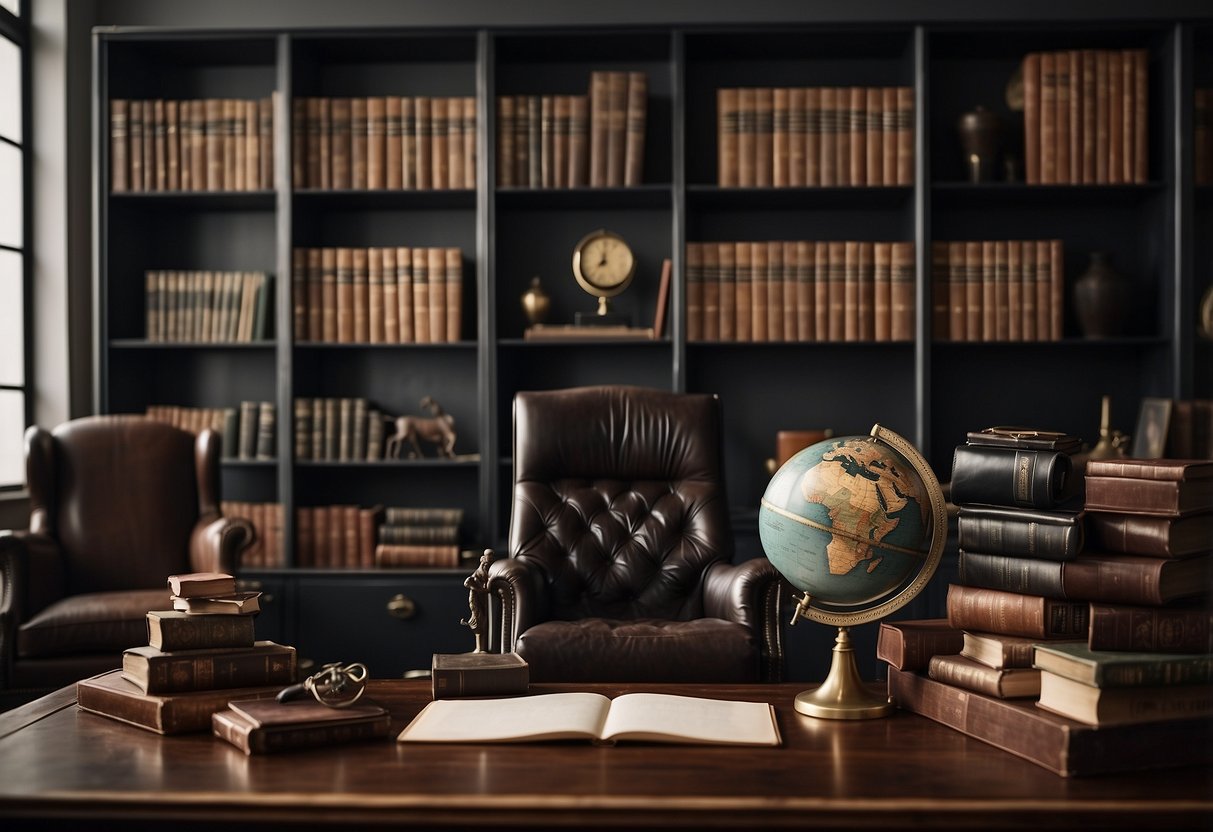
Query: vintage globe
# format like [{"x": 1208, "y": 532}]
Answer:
[{"x": 858, "y": 525}]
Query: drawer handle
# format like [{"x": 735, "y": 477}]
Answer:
[{"x": 401, "y": 607}]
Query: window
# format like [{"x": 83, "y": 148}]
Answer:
[{"x": 14, "y": 239}]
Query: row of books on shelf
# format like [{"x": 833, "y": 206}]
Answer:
[
  {"x": 199, "y": 145},
  {"x": 266, "y": 551},
  {"x": 247, "y": 432},
  {"x": 384, "y": 142},
  {"x": 800, "y": 291},
  {"x": 386, "y": 295},
  {"x": 339, "y": 430},
  {"x": 208, "y": 306},
  {"x": 815, "y": 136},
  {"x": 350, "y": 537},
  {"x": 571, "y": 141},
  {"x": 1202, "y": 135},
  {"x": 1086, "y": 116},
  {"x": 998, "y": 290}
]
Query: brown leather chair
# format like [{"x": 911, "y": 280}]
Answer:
[
  {"x": 118, "y": 503},
  {"x": 620, "y": 546}
]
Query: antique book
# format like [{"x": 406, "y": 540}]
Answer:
[
  {"x": 266, "y": 423},
  {"x": 780, "y": 136},
  {"x": 1061, "y": 745},
  {"x": 376, "y": 320},
  {"x": 239, "y": 603},
  {"x": 360, "y": 278},
  {"x": 119, "y": 148},
  {"x": 1171, "y": 470},
  {"x": 841, "y": 125},
  {"x": 156, "y": 671},
  {"x": 1116, "y": 669},
  {"x": 266, "y": 726},
  {"x": 972, "y": 279},
  {"x": 479, "y": 674},
  {"x": 905, "y": 135},
  {"x": 774, "y": 296},
  {"x": 1002, "y": 682},
  {"x": 647, "y": 717},
  {"x": 663, "y": 299},
  {"x": 806, "y": 271},
  {"x": 710, "y": 268},
  {"x": 404, "y": 294},
  {"x": 1185, "y": 629},
  {"x": 1123, "y": 706},
  {"x": 600, "y": 127},
  {"x": 988, "y": 304},
  {"x": 579, "y": 129},
  {"x": 637, "y": 106},
  {"x": 617, "y": 105},
  {"x": 909, "y": 645},
  {"x": 422, "y": 516},
  {"x": 1061, "y": 103},
  {"x": 201, "y": 584},
  {"x": 997, "y": 650},
  {"x": 108, "y": 694},
  {"x": 406, "y": 555},
  {"x": 694, "y": 289},
  {"x": 175, "y": 630},
  {"x": 423, "y": 112},
  {"x": 453, "y": 284},
  {"x": 421, "y": 296},
  {"x": 1055, "y": 535},
  {"x": 1141, "y": 132},
  {"x": 417, "y": 534},
  {"x": 1023, "y": 437},
  {"x": 812, "y": 136},
  {"x": 764, "y": 102},
  {"x": 1157, "y": 497},
  {"x": 436, "y": 272},
  {"x": 743, "y": 290},
  {"x": 857, "y": 126},
  {"x": 901, "y": 292},
  {"x": 1015, "y": 614},
  {"x": 874, "y": 164},
  {"x": 1163, "y": 537},
  {"x": 1013, "y": 477},
  {"x": 1115, "y": 578}
]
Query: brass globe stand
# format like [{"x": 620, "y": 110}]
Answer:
[{"x": 843, "y": 695}]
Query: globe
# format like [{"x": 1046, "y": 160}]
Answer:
[{"x": 858, "y": 525}]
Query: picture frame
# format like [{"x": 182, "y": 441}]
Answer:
[{"x": 1153, "y": 421}]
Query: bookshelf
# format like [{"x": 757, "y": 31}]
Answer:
[{"x": 927, "y": 389}]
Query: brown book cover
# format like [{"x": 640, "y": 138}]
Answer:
[
  {"x": 560, "y": 141},
  {"x": 367, "y": 522},
  {"x": 836, "y": 267},
  {"x": 726, "y": 137},
  {"x": 796, "y": 137},
  {"x": 1000, "y": 682},
  {"x": 710, "y": 257},
  {"x": 547, "y": 141},
  {"x": 1074, "y": 96},
  {"x": 902, "y": 292},
  {"x": 376, "y": 143},
  {"x": 345, "y": 295},
  {"x": 228, "y": 130},
  {"x": 579, "y": 141},
  {"x": 351, "y": 524},
  {"x": 637, "y": 109},
  {"x": 1010, "y": 613},
  {"x": 342, "y": 144},
  {"x": 170, "y": 630},
  {"x": 505, "y": 141},
  {"x": 973, "y": 291},
  {"x": 201, "y": 584},
  {"x": 213, "y": 142},
  {"x": 172, "y": 140},
  {"x": 328, "y": 296},
  {"x": 821, "y": 291},
  {"x": 421, "y": 296},
  {"x": 806, "y": 271},
  {"x": 359, "y": 144},
  {"x": 453, "y": 284},
  {"x": 320, "y": 515},
  {"x": 522, "y": 141},
  {"x": 196, "y": 126},
  {"x": 989, "y": 308},
  {"x": 764, "y": 128},
  {"x": 1027, "y": 289},
  {"x": 1061, "y": 745},
  {"x": 479, "y": 674},
  {"x": 774, "y": 284},
  {"x": 694, "y": 279},
  {"x": 600, "y": 127},
  {"x": 726, "y": 271},
  {"x": 252, "y": 147},
  {"x": 468, "y": 154},
  {"x": 1061, "y": 75},
  {"x": 617, "y": 105},
  {"x": 424, "y": 111},
  {"x": 404, "y": 295},
  {"x": 759, "y": 276},
  {"x": 1160, "y": 537},
  {"x": 534, "y": 141},
  {"x": 393, "y": 144},
  {"x": 391, "y": 300},
  {"x": 882, "y": 296},
  {"x": 872, "y": 123},
  {"x": 267, "y": 726},
  {"x": 305, "y": 539},
  {"x": 780, "y": 137},
  {"x": 1183, "y": 629},
  {"x": 454, "y": 143},
  {"x": 1171, "y": 470},
  {"x": 1141, "y": 114},
  {"x": 791, "y": 268},
  {"x": 842, "y": 136},
  {"x": 1087, "y": 115},
  {"x": 1014, "y": 290},
  {"x": 336, "y": 526},
  {"x": 375, "y": 300},
  {"x": 812, "y": 136},
  {"x": 905, "y": 135},
  {"x": 661, "y": 311},
  {"x": 406, "y": 555},
  {"x": 857, "y": 117},
  {"x": 828, "y": 137},
  {"x": 436, "y": 274},
  {"x": 743, "y": 290},
  {"x": 1135, "y": 579},
  {"x": 1115, "y": 111},
  {"x": 266, "y": 114},
  {"x": 408, "y": 142},
  {"x": 889, "y": 135},
  {"x": 1102, "y": 117},
  {"x": 1158, "y": 497},
  {"x": 850, "y": 299},
  {"x": 1048, "y": 118},
  {"x": 119, "y": 145},
  {"x": 909, "y": 645},
  {"x": 747, "y": 138},
  {"x": 1044, "y": 291},
  {"x": 154, "y": 671},
  {"x": 957, "y": 292},
  {"x": 108, "y": 694},
  {"x": 301, "y": 143},
  {"x": 1031, "y": 118},
  {"x": 1002, "y": 309}
]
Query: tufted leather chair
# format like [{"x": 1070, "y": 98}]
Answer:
[
  {"x": 620, "y": 546},
  {"x": 118, "y": 503}
]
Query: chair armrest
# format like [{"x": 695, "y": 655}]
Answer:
[
  {"x": 31, "y": 578},
  {"x": 217, "y": 543},
  {"x": 521, "y": 597},
  {"x": 749, "y": 593}
]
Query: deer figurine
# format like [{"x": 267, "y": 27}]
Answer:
[{"x": 438, "y": 429}]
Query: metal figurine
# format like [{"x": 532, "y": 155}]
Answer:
[
  {"x": 478, "y": 601},
  {"x": 438, "y": 428}
]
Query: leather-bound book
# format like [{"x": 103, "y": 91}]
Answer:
[
  {"x": 759, "y": 277},
  {"x": 726, "y": 137},
  {"x": 416, "y": 555},
  {"x": 1014, "y": 290},
  {"x": 436, "y": 267},
  {"x": 404, "y": 294},
  {"x": 636, "y": 118},
  {"x": 440, "y": 151},
  {"x": 1161, "y": 537},
  {"x": 1027, "y": 283},
  {"x": 170, "y": 630},
  {"x": 909, "y": 645},
  {"x": 423, "y": 113},
  {"x": 828, "y": 137},
  {"x": 468, "y": 154},
  {"x": 1168, "y": 488},
  {"x": 791, "y": 268},
  {"x": 747, "y": 136},
  {"x": 806, "y": 269},
  {"x": 1117, "y": 669},
  {"x": 901, "y": 291},
  {"x": 905, "y": 135},
  {"x": 812, "y": 136},
  {"x": 479, "y": 674},
  {"x": 1048, "y": 118},
  {"x": 408, "y": 142},
  {"x": 796, "y": 137},
  {"x": 781, "y": 137},
  {"x": 1102, "y": 117},
  {"x": 454, "y": 142},
  {"x": 350, "y": 521},
  {"x": 374, "y": 279},
  {"x": 1017, "y": 477},
  {"x": 858, "y": 126},
  {"x": 1074, "y": 99},
  {"x": 1002, "y": 310},
  {"x": 155, "y": 671},
  {"x": 850, "y": 296},
  {"x": 108, "y": 694},
  {"x": 453, "y": 284},
  {"x": 547, "y": 141},
  {"x": 172, "y": 144},
  {"x": 342, "y": 143},
  {"x": 376, "y": 143},
  {"x": 560, "y": 141},
  {"x": 315, "y": 130},
  {"x": 1104, "y": 707},
  {"x": 305, "y": 541},
  {"x": 320, "y": 526},
  {"x": 836, "y": 289},
  {"x": 252, "y": 144},
  {"x": 213, "y": 142},
  {"x": 328, "y": 297},
  {"x": 997, "y": 650},
  {"x": 710, "y": 255},
  {"x": 1116, "y": 106},
  {"x": 743, "y": 291},
  {"x": 303, "y": 433},
  {"x": 119, "y": 145},
  {"x": 989, "y": 308},
  {"x": 694, "y": 279},
  {"x": 393, "y": 147},
  {"x": 957, "y": 292},
  {"x": 866, "y": 296},
  {"x": 1180, "y": 629},
  {"x": 764, "y": 104},
  {"x": 1061, "y": 745},
  {"x": 1056, "y": 290},
  {"x": 534, "y": 141},
  {"x": 579, "y": 141},
  {"x": 889, "y": 135},
  {"x": 1051, "y": 535},
  {"x": 1061, "y": 100},
  {"x": 345, "y": 296},
  {"x": 600, "y": 127},
  {"x": 265, "y": 135},
  {"x": 617, "y": 105},
  {"x": 821, "y": 291},
  {"x": 505, "y": 141},
  {"x": 1087, "y": 115},
  {"x": 1000, "y": 682},
  {"x": 774, "y": 284},
  {"x": 726, "y": 270},
  {"x": 421, "y": 296},
  {"x": 522, "y": 141},
  {"x": 391, "y": 302},
  {"x": 266, "y": 425},
  {"x": 973, "y": 291},
  {"x": 1016, "y": 614},
  {"x": 359, "y": 144},
  {"x": 1141, "y": 114},
  {"x": 842, "y": 136},
  {"x": 268, "y": 726},
  {"x": 1044, "y": 291},
  {"x": 1031, "y": 117},
  {"x": 201, "y": 584}
]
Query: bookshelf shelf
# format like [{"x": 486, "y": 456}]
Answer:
[
  {"x": 250, "y": 463},
  {"x": 929, "y": 391}
]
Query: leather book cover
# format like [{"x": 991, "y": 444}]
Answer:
[
  {"x": 154, "y": 671},
  {"x": 905, "y": 135},
  {"x": 694, "y": 278},
  {"x": 1015, "y": 614},
  {"x": 229, "y": 144},
  {"x": 637, "y": 110},
  {"x": 547, "y": 141},
  {"x": 774, "y": 284},
  {"x": 350, "y": 544},
  {"x": 857, "y": 126},
  {"x": 391, "y": 301},
  {"x": 1116, "y": 137},
  {"x": 1089, "y": 96},
  {"x": 1158, "y": 497},
  {"x": 314, "y": 132},
  {"x": 973, "y": 291},
  {"x": 812, "y": 136},
  {"x": 1102, "y": 119},
  {"x": 322, "y": 297},
  {"x": 842, "y": 136},
  {"x": 901, "y": 278},
  {"x": 201, "y": 584},
  {"x": 1002, "y": 310},
  {"x": 780, "y": 136},
  {"x": 299, "y": 290},
  {"x": 866, "y": 295},
  {"x": 1141, "y": 115},
  {"x": 1074, "y": 95},
  {"x": 108, "y": 694},
  {"x": 600, "y": 127},
  {"x": 989, "y": 307},
  {"x": 345, "y": 296},
  {"x": 436, "y": 258},
  {"x": 940, "y": 316},
  {"x": 806, "y": 269},
  {"x": 1136, "y": 579},
  {"x": 1025, "y": 576},
  {"x": 791, "y": 269},
  {"x": 505, "y": 141},
  {"x": 421, "y": 296},
  {"x": 266, "y": 726},
  {"x": 172, "y": 141},
  {"x": 617, "y": 106},
  {"x": 1000, "y": 682},
  {"x": 320, "y": 523},
  {"x": 345, "y": 430},
  {"x": 170, "y": 630},
  {"x": 796, "y": 137},
  {"x": 453, "y": 283},
  {"x": 1056, "y": 290},
  {"x": 522, "y": 141},
  {"x": 710, "y": 270},
  {"x": 759, "y": 276},
  {"x": 454, "y": 140},
  {"x": 836, "y": 270},
  {"x": 726, "y": 270},
  {"x": 408, "y": 142},
  {"x": 479, "y": 674},
  {"x": 1017, "y": 477},
  {"x": 358, "y": 144},
  {"x": 341, "y": 143},
  {"x": 821, "y": 291},
  {"x": 404, "y": 294},
  {"x": 376, "y": 143},
  {"x": 764, "y": 104},
  {"x": 358, "y": 429},
  {"x": 120, "y": 151},
  {"x": 416, "y": 555},
  {"x": 874, "y": 140},
  {"x": 1014, "y": 290},
  {"x": 1044, "y": 298},
  {"x": 828, "y": 138},
  {"x": 440, "y": 142},
  {"x": 1061, "y": 745},
  {"x": 1025, "y": 437},
  {"x": 374, "y": 307},
  {"x": 252, "y": 152},
  {"x": 1027, "y": 281},
  {"x": 997, "y": 650},
  {"x": 423, "y": 115},
  {"x": 1161, "y": 537},
  {"x": 213, "y": 142},
  {"x": 467, "y": 108},
  {"x": 747, "y": 138},
  {"x": 1052, "y": 535},
  {"x": 1179, "y": 629},
  {"x": 560, "y": 142},
  {"x": 579, "y": 143},
  {"x": 393, "y": 144},
  {"x": 1061, "y": 99},
  {"x": 265, "y": 136},
  {"x": 909, "y": 645},
  {"x": 1123, "y": 669},
  {"x": 743, "y": 291},
  {"x": 957, "y": 289},
  {"x": 889, "y": 135},
  {"x": 1175, "y": 470}
]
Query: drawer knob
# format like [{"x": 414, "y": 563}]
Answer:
[{"x": 401, "y": 607}]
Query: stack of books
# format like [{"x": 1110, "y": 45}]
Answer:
[
  {"x": 199, "y": 656},
  {"x": 419, "y": 537}
]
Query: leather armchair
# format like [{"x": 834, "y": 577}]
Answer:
[
  {"x": 620, "y": 550},
  {"x": 118, "y": 503}
]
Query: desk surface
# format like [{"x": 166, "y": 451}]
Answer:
[{"x": 57, "y": 762}]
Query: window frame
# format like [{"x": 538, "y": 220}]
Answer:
[{"x": 16, "y": 29}]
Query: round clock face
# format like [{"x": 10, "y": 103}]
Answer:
[{"x": 603, "y": 263}]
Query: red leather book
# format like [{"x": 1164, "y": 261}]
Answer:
[{"x": 1162, "y": 537}]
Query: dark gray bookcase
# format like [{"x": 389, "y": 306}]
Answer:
[{"x": 929, "y": 391}]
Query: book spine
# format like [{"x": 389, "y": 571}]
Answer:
[
  {"x": 806, "y": 266},
  {"x": 780, "y": 137},
  {"x": 694, "y": 279},
  {"x": 1061, "y": 73},
  {"x": 1027, "y": 576},
  {"x": 912, "y": 649},
  {"x": 901, "y": 292},
  {"x": 401, "y": 555},
  {"x": 436, "y": 269},
  {"x": 617, "y": 105},
  {"x": 726, "y": 137},
  {"x": 1027, "y": 538},
  {"x": 764, "y": 105},
  {"x": 415, "y": 516},
  {"x": 940, "y": 314},
  {"x": 710, "y": 269},
  {"x": 905, "y": 136},
  {"x": 774, "y": 284},
  {"x": 453, "y": 283},
  {"x": 178, "y": 674},
  {"x": 791, "y": 268},
  {"x": 404, "y": 294},
  {"x": 424, "y": 109},
  {"x": 1014, "y": 290},
  {"x": 866, "y": 294},
  {"x": 1141, "y": 132},
  {"x": 812, "y": 136},
  {"x": 375, "y": 299},
  {"x": 421, "y": 296},
  {"x": 376, "y": 143},
  {"x": 408, "y": 142},
  {"x": 579, "y": 152},
  {"x": 842, "y": 136},
  {"x": 1150, "y": 629},
  {"x": 726, "y": 268},
  {"x": 505, "y": 141},
  {"x": 268, "y": 741},
  {"x": 637, "y": 105},
  {"x": 450, "y": 682},
  {"x": 360, "y": 277},
  {"x": 1014, "y": 614},
  {"x": 119, "y": 146},
  {"x": 796, "y": 137},
  {"x": 467, "y": 109},
  {"x": 746, "y": 137},
  {"x": 418, "y": 534},
  {"x": 1031, "y": 117},
  {"x": 393, "y": 143},
  {"x": 199, "y": 632},
  {"x": 1158, "y": 469},
  {"x": 759, "y": 277},
  {"x": 345, "y": 296},
  {"x": 858, "y": 127},
  {"x": 1131, "y": 534},
  {"x": 967, "y": 675},
  {"x": 454, "y": 143},
  {"x": 1133, "y": 496},
  {"x": 1123, "y": 579}
]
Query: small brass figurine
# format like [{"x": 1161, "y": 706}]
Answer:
[
  {"x": 478, "y": 601},
  {"x": 438, "y": 429},
  {"x": 536, "y": 303}
]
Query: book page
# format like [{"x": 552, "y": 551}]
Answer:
[
  {"x": 550, "y": 716},
  {"x": 667, "y": 718}
]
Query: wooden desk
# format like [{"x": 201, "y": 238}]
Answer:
[{"x": 59, "y": 763}]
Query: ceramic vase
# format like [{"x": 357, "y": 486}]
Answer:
[{"x": 1101, "y": 299}]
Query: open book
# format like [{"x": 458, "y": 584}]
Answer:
[{"x": 649, "y": 717}]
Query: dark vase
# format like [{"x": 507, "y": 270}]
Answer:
[
  {"x": 1101, "y": 299},
  {"x": 981, "y": 140}
]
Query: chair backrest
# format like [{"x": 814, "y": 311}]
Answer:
[
  {"x": 620, "y": 499},
  {"x": 120, "y": 494}
]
